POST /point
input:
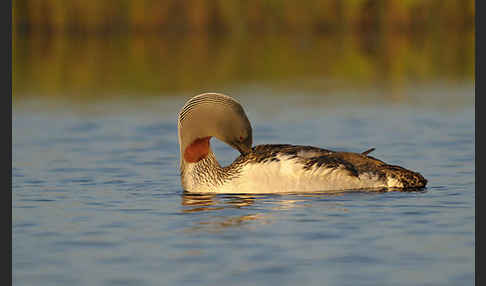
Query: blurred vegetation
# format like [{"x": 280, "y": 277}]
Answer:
[
  {"x": 88, "y": 48},
  {"x": 259, "y": 16}
]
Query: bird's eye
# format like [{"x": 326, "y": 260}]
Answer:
[{"x": 241, "y": 138}]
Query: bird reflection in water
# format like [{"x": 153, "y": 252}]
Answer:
[
  {"x": 211, "y": 203},
  {"x": 258, "y": 209}
]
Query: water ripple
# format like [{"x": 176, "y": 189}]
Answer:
[{"x": 97, "y": 200}]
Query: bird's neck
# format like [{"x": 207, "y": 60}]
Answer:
[
  {"x": 204, "y": 172},
  {"x": 197, "y": 150}
]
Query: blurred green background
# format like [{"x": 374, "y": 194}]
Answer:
[{"x": 92, "y": 48}]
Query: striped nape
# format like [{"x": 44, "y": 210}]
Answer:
[{"x": 207, "y": 98}]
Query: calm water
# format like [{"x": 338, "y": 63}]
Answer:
[{"x": 97, "y": 199}]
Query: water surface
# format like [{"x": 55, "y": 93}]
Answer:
[{"x": 97, "y": 199}]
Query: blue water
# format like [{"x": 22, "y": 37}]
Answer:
[{"x": 96, "y": 195}]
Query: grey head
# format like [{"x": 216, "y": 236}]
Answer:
[{"x": 214, "y": 115}]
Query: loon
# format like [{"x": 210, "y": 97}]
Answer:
[{"x": 270, "y": 168}]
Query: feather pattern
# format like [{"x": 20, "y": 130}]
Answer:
[
  {"x": 270, "y": 168},
  {"x": 293, "y": 168},
  {"x": 208, "y": 98}
]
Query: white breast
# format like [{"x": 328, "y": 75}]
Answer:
[{"x": 288, "y": 175}]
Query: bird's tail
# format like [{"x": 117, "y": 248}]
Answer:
[{"x": 398, "y": 177}]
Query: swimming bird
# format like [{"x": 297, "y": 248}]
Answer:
[{"x": 270, "y": 168}]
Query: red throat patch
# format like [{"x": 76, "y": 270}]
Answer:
[{"x": 197, "y": 151}]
